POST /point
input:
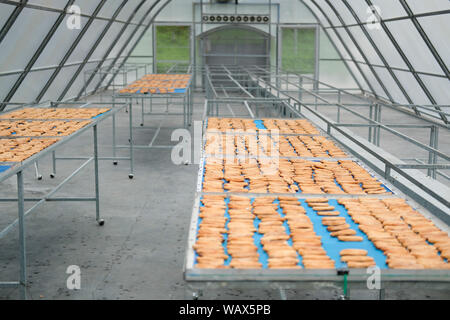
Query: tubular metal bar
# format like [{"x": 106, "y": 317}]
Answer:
[
  {"x": 9, "y": 228},
  {"x": 249, "y": 110},
  {"x": 49, "y": 199},
  {"x": 22, "y": 243},
  {"x": 394, "y": 106},
  {"x": 381, "y": 126},
  {"x": 379, "y": 157},
  {"x": 17, "y": 170},
  {"x": 186, "y": 102},
  {"x": 97, "y": 193},
  {"x": 437, "y": 171},
  {"x": 388, "y": 164},
  {"x": 36, "y": 54}
]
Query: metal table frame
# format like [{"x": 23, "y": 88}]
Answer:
[
  {"x": 82, "y": 104},
  {"x": 256, "y": 82},
  {"x": 186, "y": 101},
  {"x": 199, "y": 280},
  {"x": 115, "y": 70},
  {"x": 18, "y": 169},
  {"x": 296, "y": 107}
]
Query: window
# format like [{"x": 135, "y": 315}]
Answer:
[
  {"x": 298, "y": 50},
  {"x": 172, "y": 47}
]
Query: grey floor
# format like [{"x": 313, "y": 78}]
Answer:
[{"x": 139, "y": 253}]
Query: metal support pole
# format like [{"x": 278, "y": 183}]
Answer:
[
  {"x": 130, "y": 115},
  {"x": 378, "y": 127},
  {"x": 36, "y": 168},
  {"x": 432, "y": 159},
  {"x": 300, "y": 85},
  {"x": 338, "y": 120},
  {"x": 191, "y": 103},
  {"x": 387, "y": 172},
  {"x": 114, "y": 149},
  {"x": 142, "y": 112},
  {"x": 184, "y": 112},
  {"x": 22, "y": 244},
  {"x": 370, "y": 127},
  {"x": 53, "y": 174},
  {"x": 97, "y": 190}
]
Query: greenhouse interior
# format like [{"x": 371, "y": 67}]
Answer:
[{"x": 224, "y": 150}]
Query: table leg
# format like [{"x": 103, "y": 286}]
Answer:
[
  {"x": 131, "y": 174},
  {"x": 22, "y": 246},
  {"x": 100, "y": 221}
]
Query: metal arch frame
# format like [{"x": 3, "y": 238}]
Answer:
[
  {"x": 425, "y": 38},
  {"x": 408, "y": 63},
  {"x": 345, "y": 47},
  {"x": 241, "y": 26},
  {"x": 105, "y": 56},
  {"x": 22, "y": 4},
  {"x": 395, "y": 44},
  {"x": 267, "y": 37},
  {"x": 70, "y": 51},
  {"x": 36, "y": 55},
  {"x": 97, "y": 42},
  {"x": 12, "y": 18},
  {"x": 419, "y": 15},
  {"x": 56, "y": 10},
  {"x": 333, "y": 44},
  {"x": 380, "y": 55},
  {"x": 352, "y": 38},
  {"x": 394, "y": 68},
  {"x": 108, "y": 51},
  {"x": 138, "y": 40},
  {"x": 430, "y": 46}
]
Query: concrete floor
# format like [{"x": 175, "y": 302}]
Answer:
[{"x": 139, "y": 253}]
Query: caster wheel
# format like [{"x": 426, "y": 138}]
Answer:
[
  {"x": 142, "y": 124},
  {"x": 39, "y": 178},
  {"x": 115, "y": 163},
  {"x": 101, "y": 222},
  {"x": 131, "y": 176},
  {"x": 129, "y": 140},
  {"x": 52, "y": 175}
]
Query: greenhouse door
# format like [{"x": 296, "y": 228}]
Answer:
[{"x": 236, "y": 46}]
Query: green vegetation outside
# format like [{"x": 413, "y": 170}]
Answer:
[
  {"x": 172, "y": 43},
  {"x": 298, "y": 50}
]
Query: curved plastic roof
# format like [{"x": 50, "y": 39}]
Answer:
[{"x": 395, "y": 49}]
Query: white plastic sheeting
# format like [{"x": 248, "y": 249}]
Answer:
[
  {"x": 409, "y": 35},
  {"x": 405, "y": 58}
]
